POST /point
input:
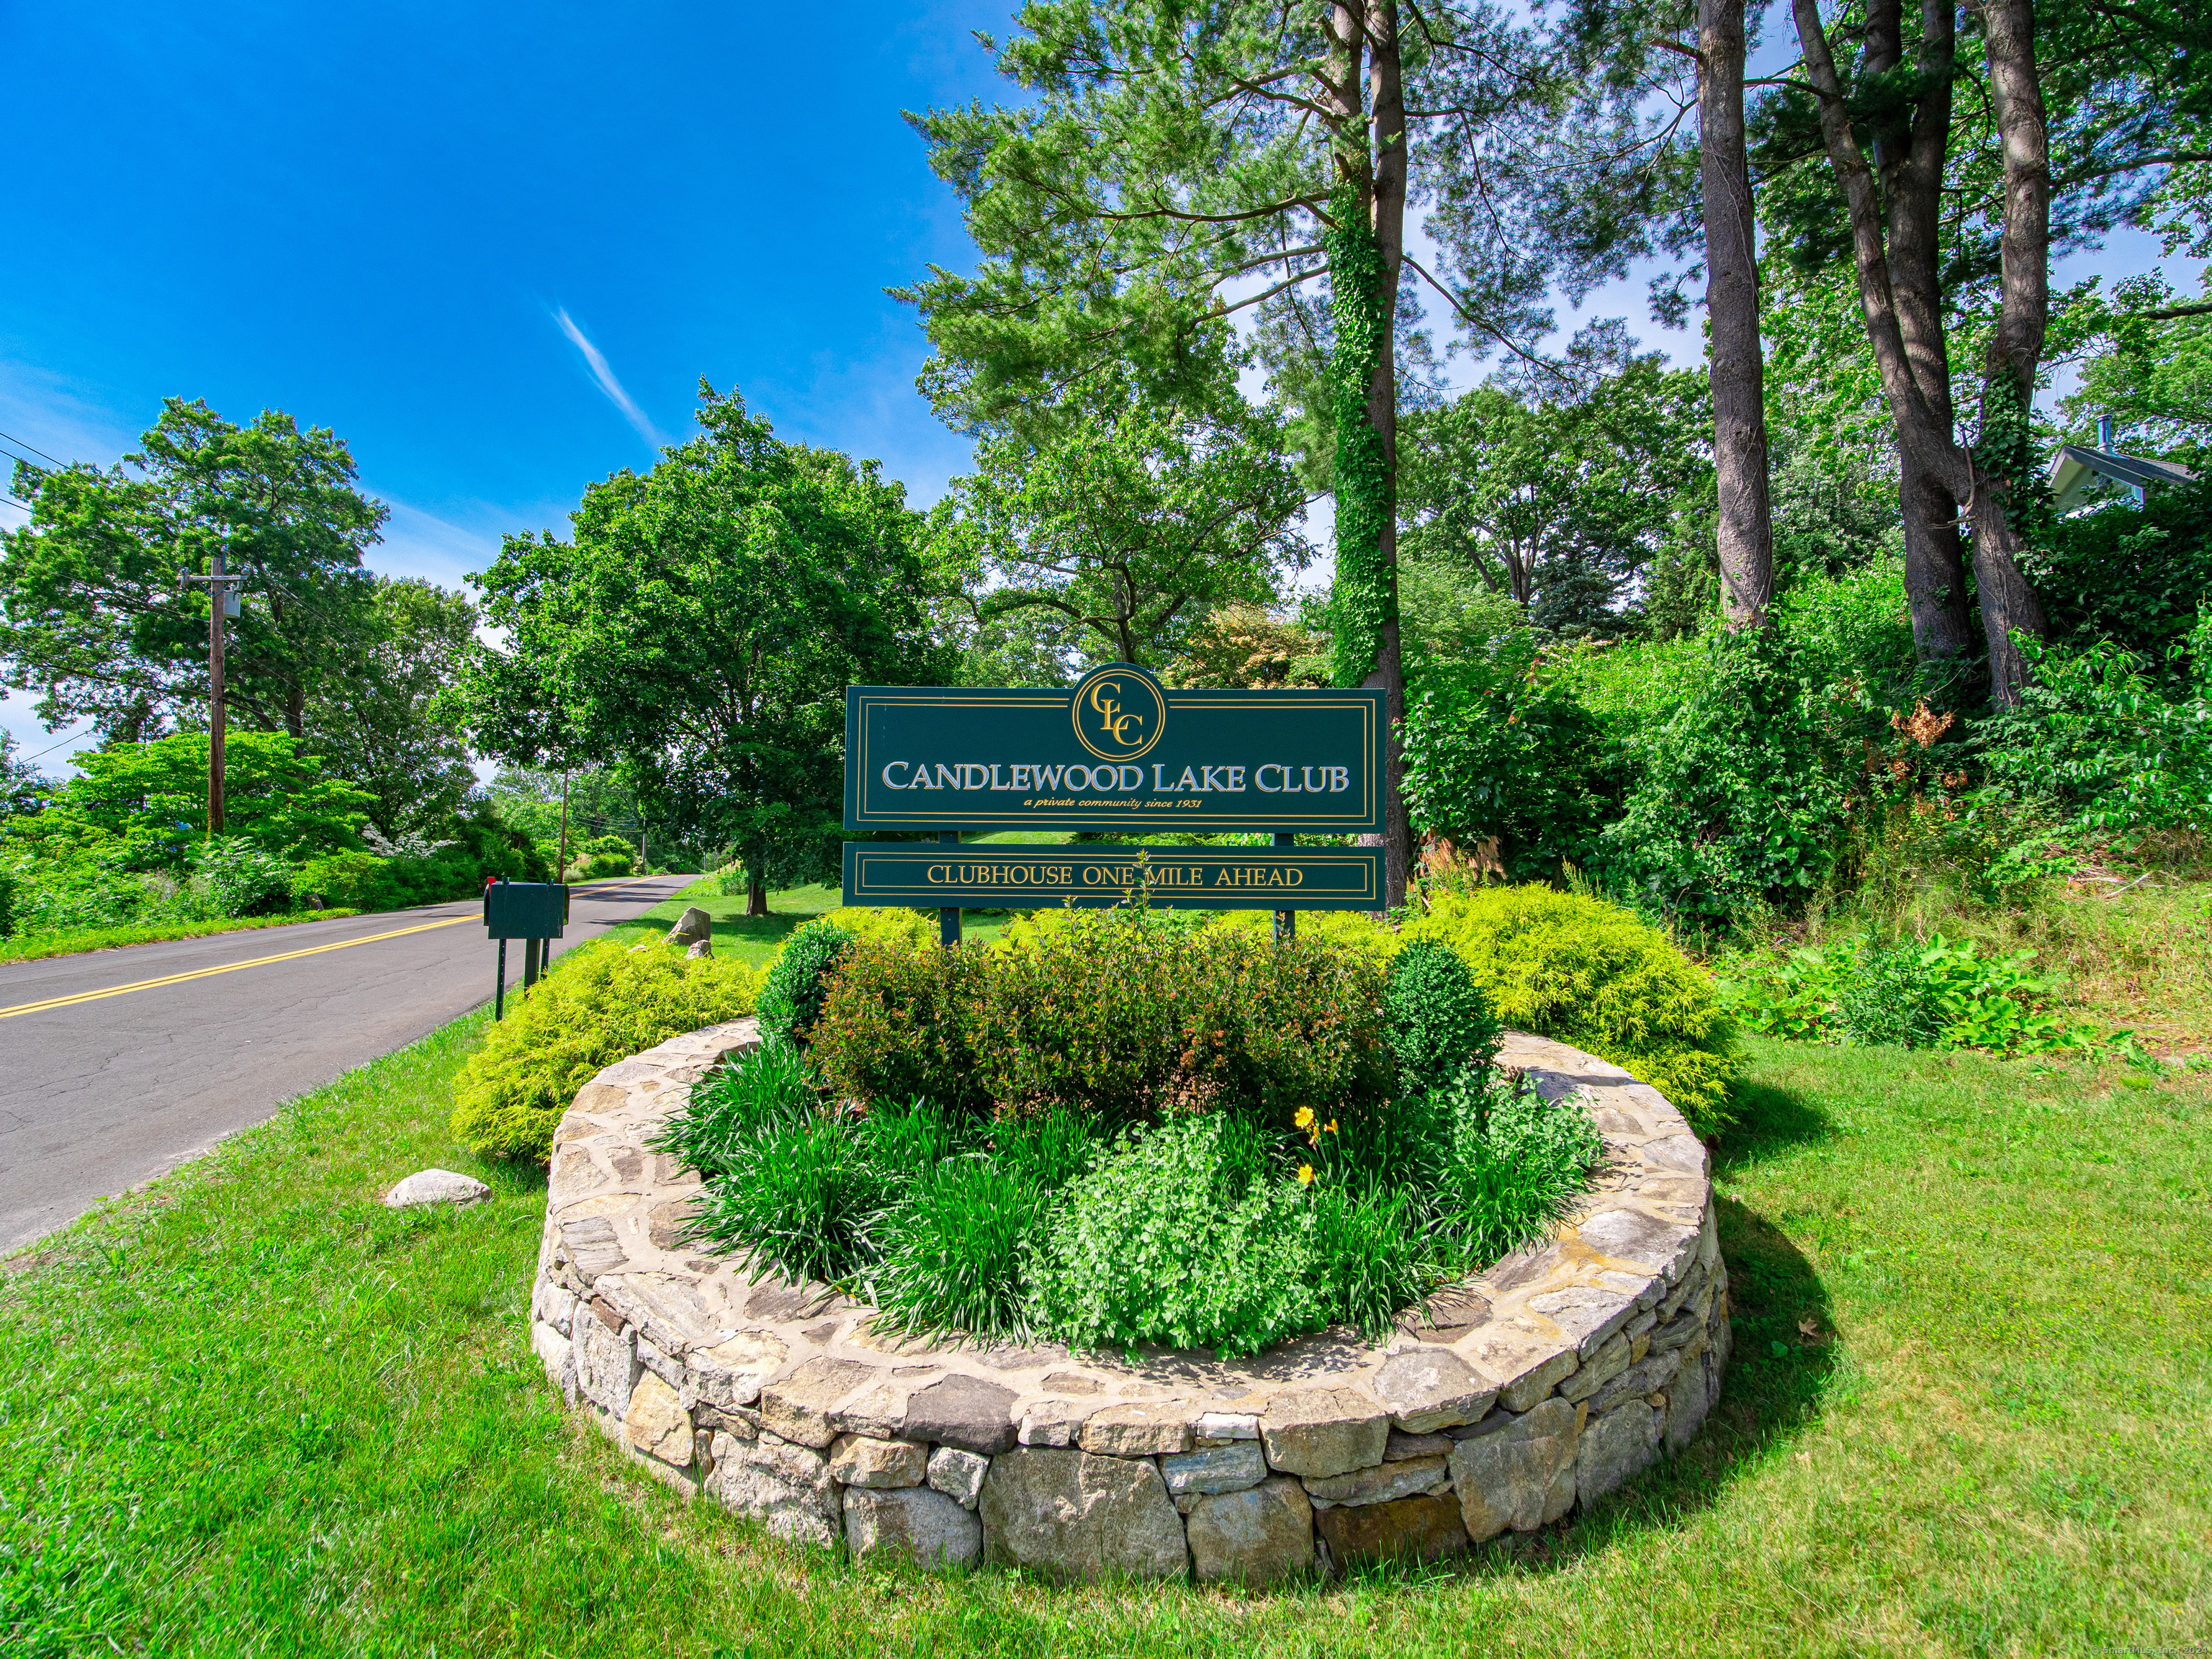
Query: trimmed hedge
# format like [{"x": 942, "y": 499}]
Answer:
[
  {"x": 1590, "y": 974},
  {"x": 600, "y": 1005}
]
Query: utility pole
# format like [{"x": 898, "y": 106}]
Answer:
[
  {"x": 561, "y": 873},
  {"x": 222, "y": 603}
]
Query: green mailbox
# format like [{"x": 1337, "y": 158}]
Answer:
[
  {"x": 531, "y": 911},
  {"x": 524, "y": 910}
]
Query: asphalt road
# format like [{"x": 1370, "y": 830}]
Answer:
[{"x": 99, "y": 1093}]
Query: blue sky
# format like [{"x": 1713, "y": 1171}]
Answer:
[
  {"x": 425, "y": 225},
  {"x": 494, "y": 247}
]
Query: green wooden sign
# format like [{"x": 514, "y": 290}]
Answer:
[
  {"x": 1120, "y": 752},
  {"x": 1189, "y": 878}
]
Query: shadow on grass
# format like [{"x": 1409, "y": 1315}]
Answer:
[
  {"x": 1769, "y": 1118},
  {"x": 1783, "y": 1366}
]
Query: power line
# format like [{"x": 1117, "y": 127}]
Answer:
[
  {"x": 33, "y": 448},
  {"x": 27, "y": 759},
  {"x": 12, "y": 502}
]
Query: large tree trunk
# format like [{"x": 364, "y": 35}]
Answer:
[
  {"x": 1908, "y": 158},
  {"x": 1387, "y": 92},
  {"x": 1902, "y": 325},
  {"x": 1935, "y": 567},
  {"x": 2006, "y": 462},
  {"x": 1734, "y": 366}
]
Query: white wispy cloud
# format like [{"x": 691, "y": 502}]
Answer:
[{"x": 596, "y": 360}]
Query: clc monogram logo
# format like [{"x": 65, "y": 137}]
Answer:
[{"x": 1120, "y": 712}]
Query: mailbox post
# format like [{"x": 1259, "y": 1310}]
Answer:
[{"x": 534, "y": 912}]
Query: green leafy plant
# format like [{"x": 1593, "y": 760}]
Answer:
[
  {"x": 1175, "y": 1237},
  {"x": 599, "y": 1005},
  {"x": 791, "y": 996},
  {"x": 894, "y": 1024},
  {"x": 1932, "y": 993},
  {"x": 1439, "y": 1021}
]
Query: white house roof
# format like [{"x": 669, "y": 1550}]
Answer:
[{"x": 2077, "y": 471}]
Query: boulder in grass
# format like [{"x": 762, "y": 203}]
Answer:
[
  {"x": 435, "y": 1186},
  {"x": 695, "y": 925},
  {"x": 700, "y": 947}
]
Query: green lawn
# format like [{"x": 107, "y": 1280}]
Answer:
[
  {"x": 755, "y": 939},
  {"x": 252, "y": 1412}
]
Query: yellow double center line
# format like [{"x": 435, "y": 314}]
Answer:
[{"x": 225, "y": 968}]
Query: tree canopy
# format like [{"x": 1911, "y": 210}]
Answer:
[{"x": 698, "y": 630}]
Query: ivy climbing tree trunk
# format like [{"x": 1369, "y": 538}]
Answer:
[
  {"x": 1735, "y": 366},
  {"x": 1365, "y": 247}
]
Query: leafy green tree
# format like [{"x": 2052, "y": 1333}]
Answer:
[
  {"x": 152, "y": 797},
  {"x": 700, "y": 629},
  {"x": 1169, "y": 164},
  {"x": 94, "y": 612},
  {"x": 383, "y": 725},
  {"x": 2151, "y": 373},
  {"x": 1126, "y": 523},
  {"x": 1557, "y": 502}
]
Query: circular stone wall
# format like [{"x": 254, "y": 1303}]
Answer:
[{"x": 1539, "y": 1385}]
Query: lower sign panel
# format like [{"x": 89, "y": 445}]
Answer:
[{"x": 1189, "y": 878}]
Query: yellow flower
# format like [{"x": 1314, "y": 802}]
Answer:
[
  {"x": 1330, "y": 1126},
  {"x": 1305, "y": 1174},
  {"x": 1304, "y": 1119}
]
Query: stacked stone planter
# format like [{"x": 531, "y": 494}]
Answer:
[{"x": 1539, "y": 1386}]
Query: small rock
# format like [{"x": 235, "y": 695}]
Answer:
[
  {"x": 1052, "y": 1422},
  {"x": 1416, "y": 1477},
  {"x": 731, "y": 1371},
  {"x": 1143, "y": 1429},
  {"x": 1403, "y": 1446},
  {"x": 798, "y": 1407},
  {"x": 1318, "y": 1433},
  {"x": 435, "y": 1186},
  {"x": 1608, "y": 1363},
  {"x": 925, "y": 1526},
  {"x": 1688, "y": 1401},
  {"x": 1646, "y": 1376},
  {"x": 1418, "y": 1528},
  {"x": 1256, "y": 1536},
  {"x": 704, "y": 947},
  {"x": 1521, "y": 1474},
  {"x": 606, "y": 1364},
  {"x": 1523, "y": 1393},
  {"x": 966, "y": 1412},
  {"x": 1072, "y": 1515},
  {"x": 859, "y": 1461},
  {"x": 1233, "y": 1467},
  {"x": 693, "y": 924},
  {"x": 959, "y": 1475},
  {"x": 1227, "y": 1425},
  {"x": 787, "y": 1486}
]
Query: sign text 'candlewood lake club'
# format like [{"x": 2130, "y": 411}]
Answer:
[{"x": 1121, "y": 752}]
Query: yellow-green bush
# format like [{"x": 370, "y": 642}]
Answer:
[
  {"x": 884, "y": 925},
  {"x": 1352, "y": 930},
  {"x": 1589, "y": 973},
  {"x": 601, "y": 1004}
]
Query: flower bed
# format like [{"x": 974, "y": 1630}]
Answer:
[{"x": 1521, "y": 1393}]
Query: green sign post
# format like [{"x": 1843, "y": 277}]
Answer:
[{"x": 1120, "y": 752}]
